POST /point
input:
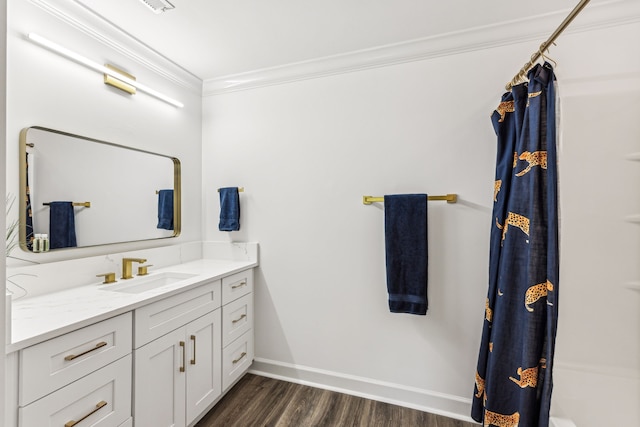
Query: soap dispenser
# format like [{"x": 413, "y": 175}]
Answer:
[
  {"x": 37, "y": 242},
  {"x": 44, "y": 246}
]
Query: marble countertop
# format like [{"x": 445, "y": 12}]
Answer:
[{"x": 46, "y": 316}]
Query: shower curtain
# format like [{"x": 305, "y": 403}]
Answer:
[{"x": 513, "y": 377}]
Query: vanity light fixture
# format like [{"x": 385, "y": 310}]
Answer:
[
  {"x": 117, "y": 82},
  {"x": 107, "y": 70}
]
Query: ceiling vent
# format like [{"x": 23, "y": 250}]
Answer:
[{"x": 158, "y": 6}]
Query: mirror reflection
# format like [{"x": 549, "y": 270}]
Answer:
[{"x": 78, "y": 191}]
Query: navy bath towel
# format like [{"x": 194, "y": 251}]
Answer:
[
  {"x": 405, "y": 222},
  {"x": 165, "y": 209},
  {"x": 229, "y": 209},
  {"x": 62, "y": 225}
]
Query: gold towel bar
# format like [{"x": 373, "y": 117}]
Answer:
[
  {"x": 240, "y": 190},
  {"x": 82, "y": 204},
  {"x": 450, "y": 198}
]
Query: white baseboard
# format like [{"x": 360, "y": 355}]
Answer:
[{"x": 411, "y": 397}]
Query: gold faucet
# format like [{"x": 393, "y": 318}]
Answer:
[{"x": 127, "y": 266}]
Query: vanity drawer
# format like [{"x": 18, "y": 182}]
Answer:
[
  {"x": 101, "y": 399},
  {"x": 236, "y": 359},
  {"x": 157, "y": 319},
  {"x": 237, "y": 318},
  {"x": 237, "y": 285},
  {"x": 52, "y": 364}
]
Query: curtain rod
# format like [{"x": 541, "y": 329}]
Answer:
[{"x": 545, "y": 46}]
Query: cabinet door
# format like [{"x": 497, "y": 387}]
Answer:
[
  {"x": 101, "y": 399},
  {"x": 204, "y": 363},
  {"x": 161, "y": 317},
  {"x": 237, "y": 357},
  {"x": 52, "y": 364},
  {"x": 237, "y": 285},
  {"x": 159, "y": 383},
  {"x": 237, "y": 318}
]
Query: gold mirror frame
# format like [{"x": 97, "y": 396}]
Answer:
[{"x": 23, "y": 143}]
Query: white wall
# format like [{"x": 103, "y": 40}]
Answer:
[
  {"x": 3, "y": 111},
  {"x": 49, "y": 90},
  {"x": 307, "y": 151},
  {"x": 597, "y": 373}
]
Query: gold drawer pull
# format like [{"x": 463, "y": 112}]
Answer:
[
  {"x": 99, "y": 406},
  {"x": 184, "y": 355},
  {"x": 193, "y": 338},
  {"x": 239, "y": 319},
  {"x": 244, "y": 282},
  {"x": 75, "y": 356},
  {"x": 239, "y": 358}
]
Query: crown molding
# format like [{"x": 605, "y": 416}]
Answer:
[
  {"x": 88, "y": 22},
  {"x": 536, "y": 28}
]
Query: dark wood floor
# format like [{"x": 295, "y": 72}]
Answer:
[{"x": 261, "y": 401}]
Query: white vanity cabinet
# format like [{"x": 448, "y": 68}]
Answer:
[
  {"x": 101, "y": 399},
  {"x": 82, "y": 377},
  {"x": 164, "y": 362},
  {"x": 177, "y": 374},
  {"x": 237, "y": 326}
]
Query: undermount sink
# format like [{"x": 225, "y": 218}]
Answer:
[{"x": 144, "y": 284}]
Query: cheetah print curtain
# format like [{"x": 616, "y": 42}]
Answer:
[{"x": 513, "y": 377}]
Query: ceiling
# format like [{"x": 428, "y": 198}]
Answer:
[{"x": 214, "y": 38}]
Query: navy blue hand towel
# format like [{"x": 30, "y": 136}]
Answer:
[
  {"x": 405, "y": 223},
  {"x": 165, "y": 209},
  {"x": 229, "y": 209},
  {"x": 62, "y": 225}
]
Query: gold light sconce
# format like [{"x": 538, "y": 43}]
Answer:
[
  {"x": 113, "y": 76},
  {"x": 111, "y": 80}
]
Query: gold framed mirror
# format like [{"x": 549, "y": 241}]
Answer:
[{"x": 106, "y": 193}]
